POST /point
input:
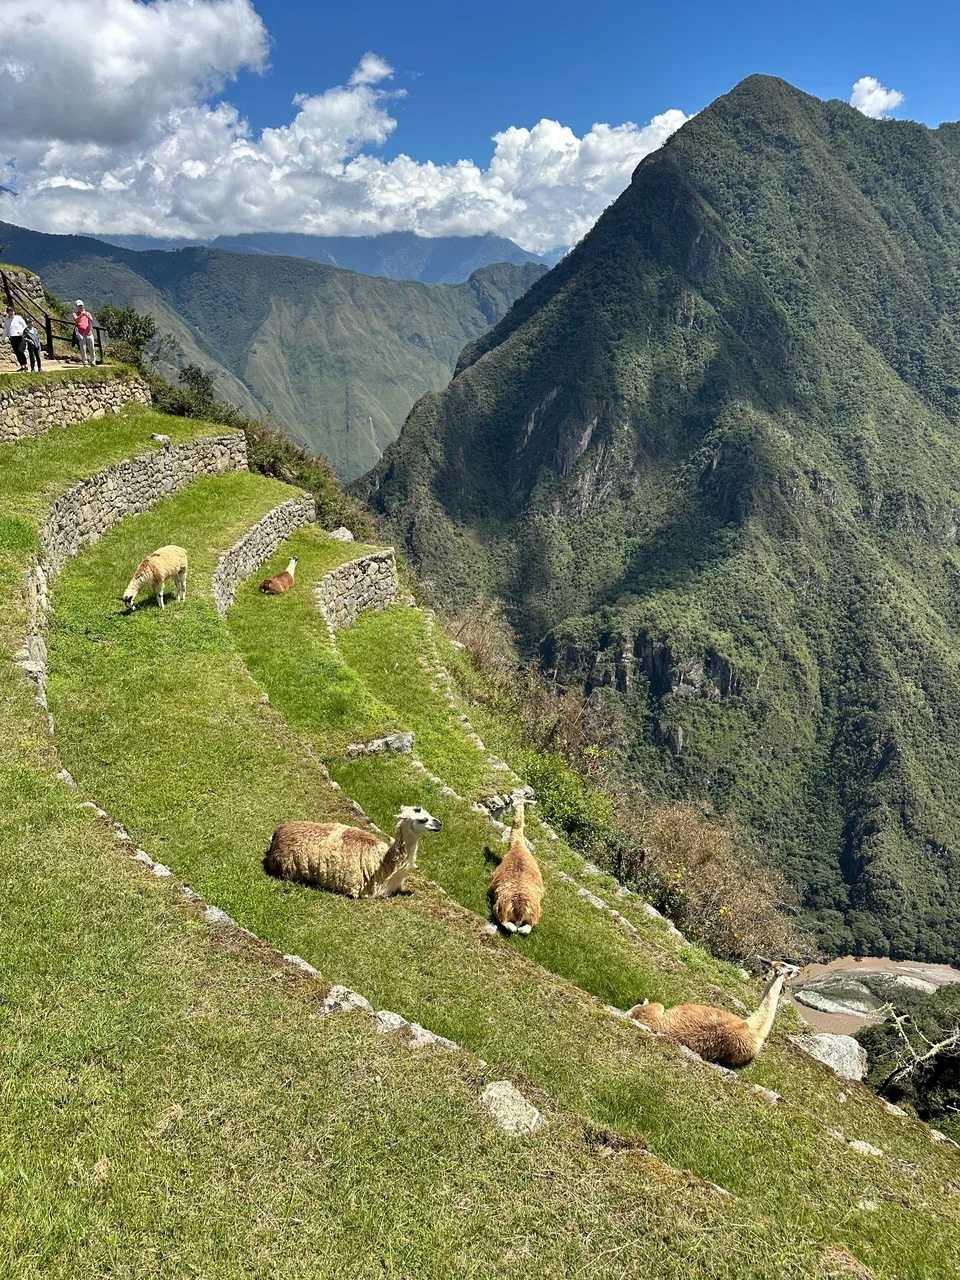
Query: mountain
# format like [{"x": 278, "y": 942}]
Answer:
[
  {"x": 335, "y": 358},
  {"x": 398, "y": 255},
  {"x": 712, "y": 462}
]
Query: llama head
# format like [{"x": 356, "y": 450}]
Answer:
[
  {"x": 128, "y": 598},
  {"x": 415, "y": 819},
  {"x": 648, "y": 1012},
  {"x": 779, "y": 968}
]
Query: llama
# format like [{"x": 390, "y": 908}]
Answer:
[
  {"x": 154, "y": 572},
  {"x": 715, "y": 1034},
  {"x": 280, "y": 582},
  {"x": 341, "y": 859},
  {"x": 516, "y": 888}
]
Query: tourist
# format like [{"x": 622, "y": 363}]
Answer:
[
  {"x": 34, "y": 347},
  {"x": 83, "y": 329},
  {"x": 14, "y": 326}
]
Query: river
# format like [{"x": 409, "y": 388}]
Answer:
[{"x": 857, "y": 967}]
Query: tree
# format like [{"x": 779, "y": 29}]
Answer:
[
  {"x": 915, "y": 1054},
  {"x": 199, "y": 384},
  {"x": 129, "y": 327}
]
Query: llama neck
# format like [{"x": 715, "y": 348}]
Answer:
[
  {"x": 291, "y": 567},
  {"x": 760, "y": 1022},
  {"x": 403, "y": 849},
  {"x": 518, "y": 820},
  {"x": 401, "y": 855}
]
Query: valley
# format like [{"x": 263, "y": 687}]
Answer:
[{"x": 333, "y": 357}]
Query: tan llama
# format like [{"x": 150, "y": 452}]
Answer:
[
  {"x": 516, "y": 889},
  {"x": 154, "y": 572},
  {"x": 342, "y": 859},
  {"x": 715, "y": 1034}
]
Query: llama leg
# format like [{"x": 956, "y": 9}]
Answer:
[
  {"x": 525, "y": 929},
  {"x": 395, "y": 883},
  {"x": 160, "y": 596},
  {"x": 182, "y": 585},
  {"x": 509, "y": 926}
]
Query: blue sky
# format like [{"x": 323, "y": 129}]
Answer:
[
  {"x": 471, "y": 71},
  {"x": 202, "y": 117}
]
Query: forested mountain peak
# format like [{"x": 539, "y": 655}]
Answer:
[{"x": 711, "y": 462}]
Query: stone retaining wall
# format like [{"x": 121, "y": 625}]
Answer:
[
  {"x": 257, "y": 545},
  {"x": 83, "y": 514},
  {"x": 27, "y": 283},
  {"x": 48, "y": 403},
  {"x": 369, "y": 582}
]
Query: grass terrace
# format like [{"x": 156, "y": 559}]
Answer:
[
  {"x": 172, "y": 1104},
  {"x": 201, "y": 771}
]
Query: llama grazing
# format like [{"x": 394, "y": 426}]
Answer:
[
  {"x": 516, "y": 888},
  {"x": 715, "y": 1034},
  {"x": 348, "y": 860},
  {"x": 280, "y": 582},
  {"x": 155, "y": 572}
]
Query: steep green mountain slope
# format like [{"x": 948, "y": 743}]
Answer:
[
  {"x": 335, "y": 358},
  {"x": 712, "y": 460},
  {"x": 398, "y": 255}
]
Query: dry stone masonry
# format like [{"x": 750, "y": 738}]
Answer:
[
  {"x": 257, "y": 545},
  {"x": 83, "y": 514},
  {"x": 50, "y": 403},
  {"x": 369, "y": 582},
  {"x": 27, "y": 283}
]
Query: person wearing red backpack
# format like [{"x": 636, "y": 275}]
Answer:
[{"x": 83, "y": 330}]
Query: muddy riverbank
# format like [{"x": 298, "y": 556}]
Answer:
[{"x": 847, "y": 988}]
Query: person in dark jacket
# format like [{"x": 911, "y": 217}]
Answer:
[{"x": 34, "y": 347}]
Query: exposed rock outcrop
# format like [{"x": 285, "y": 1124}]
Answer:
[{"x": 842, "y": 1054}]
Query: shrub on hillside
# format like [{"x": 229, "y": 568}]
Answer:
[
  {"x": 699, "y": 874},
  {"x": 914, "y": 1056},
  {"x": 273, "y": 454}
]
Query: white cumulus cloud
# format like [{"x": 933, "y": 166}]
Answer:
[
  {"x": 109, "y": 122},
  {"x": 874, "y": 99}
]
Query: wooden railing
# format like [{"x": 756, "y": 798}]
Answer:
[{"x": 59, "y": 341}]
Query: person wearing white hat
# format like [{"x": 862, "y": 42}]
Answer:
[{"x": 83, "y": 331}]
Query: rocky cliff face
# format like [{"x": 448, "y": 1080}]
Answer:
[{"x": 712, "y": 460}]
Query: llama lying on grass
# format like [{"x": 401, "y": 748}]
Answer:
[
  {"x": 715, "y": 1034},
  {"x": 154, "y": 572},
  {"x": 516, "y": 889},
  {"x": 280, "y": 582},
  {"x": 348, "y": 860}
]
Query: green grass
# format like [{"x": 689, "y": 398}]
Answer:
[
  {"x": 33, "y": 471},
  {"x": 20, "y": 381},
  {"x": 171, "y": 1106},
  {"x": 158, "y": 718},
  {"x": 291, "y": 641},
  {"x": 326, "y": 697},
  {"x": 384, "y": 648}
]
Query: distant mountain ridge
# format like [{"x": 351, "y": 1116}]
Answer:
[
  {"x": 712, "y": 464},
  {"x": 334, "y": 357},
  {"x": 396, "y": 255}
]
